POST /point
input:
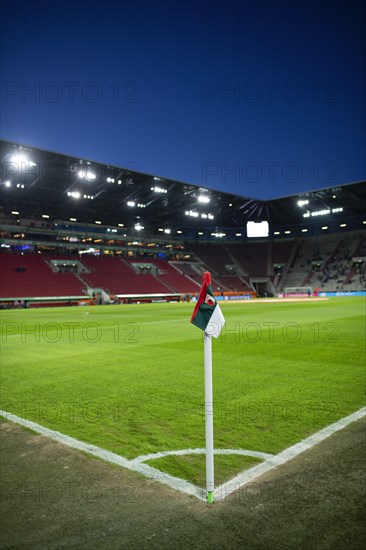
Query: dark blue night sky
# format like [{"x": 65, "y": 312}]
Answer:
[{"x": 260, "y": 99}]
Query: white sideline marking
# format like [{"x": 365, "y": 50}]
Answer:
[
  {"x": 181, "y": 485},
  {"x": 246, "y": 477},
  {"x": 173, "y": 482}
]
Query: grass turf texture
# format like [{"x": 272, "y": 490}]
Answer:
[{"x": 130, "y": 378}]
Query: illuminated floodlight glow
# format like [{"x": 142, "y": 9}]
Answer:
[
  {"x": 304, "y": 230},
  {"x": 138, "y": 227},
  {"x": 73, "y": 220},
  {"x": 87, "y": 174},
  {"x": 167, "y": 231},
  {"x": 7, "y": 183},
  {"x": 237, "y": 234},
  {"x": 74, "y": 194},
  {"x": 343, "y": 225},
  {"x": 21, "y": 158},
  {"x": 321, "y": 212},
  {"x": 46, "y": 216},
  {"x": 334, "y": 210},
  {"x": 192, "y": 213},
  {"x": 204, "y": 216},
  {"x": 121, "y": 225},
  {"x": 157, "y": 189},
  {"x": 276, "y": 233},
  {"x": 306, "y": 215},
  {"x": 131, "y": 204},
  {"x": 302, "y": 203},
  {"x": 98, "y": 222},
  {"x": 325, "y": 227},
  {"x": 200, "y": 233},
  {"x": 15, "y": 213},
  {"x": 218, "y": 235},
  {"x": 287, "y": 232},
  {"x": 230, "y": 203},
  {"x": 257, "y": 229},
  {"x": 161, "y": 229},
  {"x": 211, "y": 217},
  {"x": 140, "y": 205},
  {"x": 203, "y": 198},
  {"x": 179, "y": 231}
]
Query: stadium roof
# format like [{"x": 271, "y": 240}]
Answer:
[{"x": 39, "y": 183}]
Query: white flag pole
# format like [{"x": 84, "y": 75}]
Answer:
[{"x": 210, "y": 481}]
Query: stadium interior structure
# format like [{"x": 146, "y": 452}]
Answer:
[{"x": 74, "y": 231}]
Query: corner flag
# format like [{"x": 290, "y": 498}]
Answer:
[
  {"x": 207, "y": 314},
  {"x": 208, "y": 317}
]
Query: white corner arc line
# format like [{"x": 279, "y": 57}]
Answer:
[
  {"x": 183, "y": 452},
  {"x": 246, "y": 477}
]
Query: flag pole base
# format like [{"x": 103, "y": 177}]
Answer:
[{"x": 210, "y": 498}]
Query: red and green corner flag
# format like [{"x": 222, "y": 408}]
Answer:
[
  {"x": 208, "y": 317},
  {"x": 207, "y": 314}
]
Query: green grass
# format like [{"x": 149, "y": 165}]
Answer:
[{"x": 130, "y": 378}]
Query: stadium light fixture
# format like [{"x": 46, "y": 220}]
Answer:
[
  {"x": 304, "y": 230},
  {"x": 157, "y": 189},
  {"x": 7, "y": 183},
  {"x": 45, "y": 216},
  {"x": 73, "y": 219},
  {"x": 21, "y": 158},
  {"x": 287, "y": 232},
  {"x": 334, "y": 210},
  {"x": 343, "y": 225},
  {"x": 15, "y": 213},
  {"x": 138, "y": 227},
  {"x": 192, "y": 213},
  {"x": 200, "y": 233},
  {"x": 204, "y": 216},
  {"x": 87, "y": 174},
  {"x": 179, "y": 231},
  {"x": 161, "y": 229},
  {"x": 364, "y": 222},
  {"x": 302, "y": 203},
  {"x": 325, "y": 227},
  {"x": 203, "y": 199},
  {"x": 276, "y": 233},
  {"x": 140, "y": 205},
  {"x": 167, "y": 231},
  {"x": 121, "y": 225},
  {"x": 98, "y": 222},
  {"x": 237, "y": 234},
  {"x": 218, "y": 235},
  {"x": 74, "y": 194},
  {"x": 131, "y": 204}
]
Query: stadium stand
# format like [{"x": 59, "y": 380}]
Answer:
[
  {"x": 27, "y": 275},
  {"x": 118, "y": 277}
]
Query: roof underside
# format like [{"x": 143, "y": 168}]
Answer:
[{"x": 45, "y": 187}]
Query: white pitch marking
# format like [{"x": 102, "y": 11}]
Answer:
[
  {"x": 182, "y": 485},
  {"x": 246, "y": 477},
  {"x": 182, "y": 452},
  {"x": 173, "y": 482}
]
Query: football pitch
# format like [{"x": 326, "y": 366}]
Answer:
[{"x": 129, "y": 378}]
